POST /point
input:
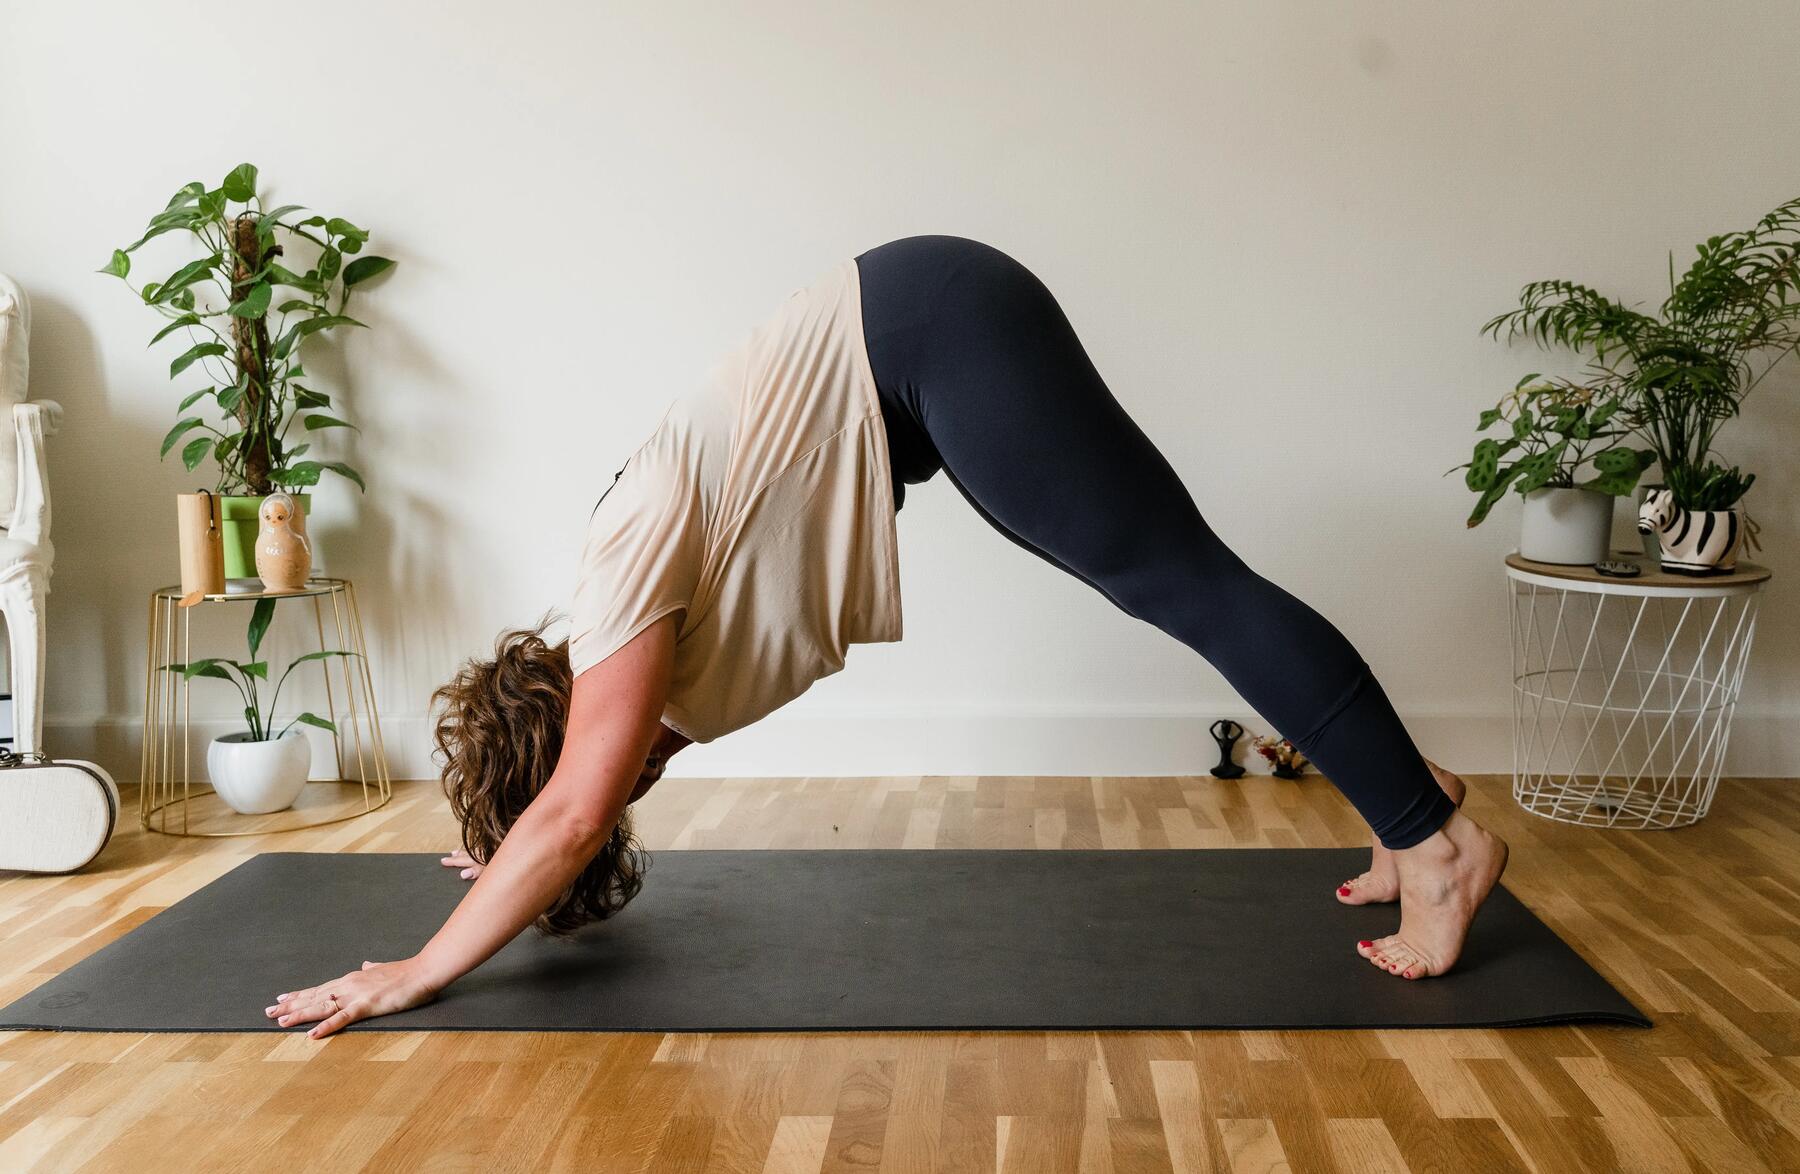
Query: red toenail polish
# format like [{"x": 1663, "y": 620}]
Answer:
[
  {"x": 1343, "y": 890},
  {"x": 1365, "y": 945}
]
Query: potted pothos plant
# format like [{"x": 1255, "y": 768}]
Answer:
[
  {"x": 263, "y": 767},
  {"x": 1563, "y": 451},
  {"x": 267, "y": 280},
  {"x": 1681, "y": 372}
]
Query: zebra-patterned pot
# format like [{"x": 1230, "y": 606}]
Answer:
[{"x": 1694, "y": 542}]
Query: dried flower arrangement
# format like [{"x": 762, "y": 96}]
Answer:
[{"x": 1288, "y": 763}]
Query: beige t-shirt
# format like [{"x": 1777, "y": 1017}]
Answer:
[{"x": 762, "y": 506}]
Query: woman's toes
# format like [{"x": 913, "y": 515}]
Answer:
[{"x": 1370, "y": 888}]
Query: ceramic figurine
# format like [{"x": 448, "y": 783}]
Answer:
[
  {"x": 1226, "y": 733},
  {"x": 283, "y": 557},
  {"x": 1694, "y": 542}
]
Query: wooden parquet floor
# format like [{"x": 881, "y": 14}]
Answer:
[{"x": 1696, "y": 926}]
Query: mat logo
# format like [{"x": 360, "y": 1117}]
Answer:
[{"x": 66, "y": 999}]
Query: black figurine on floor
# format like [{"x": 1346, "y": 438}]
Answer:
[{"x": 1226, "y": 733}]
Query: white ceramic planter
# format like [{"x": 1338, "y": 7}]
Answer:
[
  {"x": 255, "y": 778},
  {"x": 1567, "y": 526},
  {"x": 1693, "y": 542}
]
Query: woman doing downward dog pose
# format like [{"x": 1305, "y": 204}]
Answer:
[{"x": 751, "y": 540}]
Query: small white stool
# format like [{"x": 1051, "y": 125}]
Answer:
[{"x": 1624, "y": 689}]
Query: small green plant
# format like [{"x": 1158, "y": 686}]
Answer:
[
  {"x": 222, "y": 303},
  {"x": 1685, "y": 370},
  {"x": 248, "y": 677},
  {"x": 1556, "y": 428}
]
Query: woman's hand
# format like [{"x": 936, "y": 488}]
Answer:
[
  {"x": 379, "y": 988},
  {"x": 461, "y": 859}
]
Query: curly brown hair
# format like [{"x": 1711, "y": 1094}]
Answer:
[{"x": 499, "y": 735}]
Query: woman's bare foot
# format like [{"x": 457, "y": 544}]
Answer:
[
  {"x": 1381, "y": 883},
  {"x": 1443, "y": 881}
]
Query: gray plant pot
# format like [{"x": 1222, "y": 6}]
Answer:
[{"x": 1567, "y": 526}]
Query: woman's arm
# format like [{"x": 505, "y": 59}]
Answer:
[{"x": 615, "y": 713}]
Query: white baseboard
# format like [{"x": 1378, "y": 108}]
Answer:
[{"x": 1001, "y": 742}]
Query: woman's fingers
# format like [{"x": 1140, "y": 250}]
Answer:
[
  {"x": 378, "y": 988},
  {"x": 307, "y": 1012},
  {"x": 462, "y": 860},
  {"x": 339, "y": 1020}
]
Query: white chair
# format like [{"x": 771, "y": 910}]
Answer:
[
  {"x": 54, "y": 816},
  {"x": 25, "y": 550}
]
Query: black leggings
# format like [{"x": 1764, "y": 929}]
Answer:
[{"x": 981, "y": 375}]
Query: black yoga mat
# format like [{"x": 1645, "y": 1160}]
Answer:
[{"x": 840, "y": 940}]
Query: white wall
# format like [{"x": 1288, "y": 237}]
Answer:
[{"x": 1276, "y": 226}]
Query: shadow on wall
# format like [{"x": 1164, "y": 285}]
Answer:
[
  {"x": 398, "y": 540},
  {"x": 104, "y": 523},
  {"x": 1763, "y": 442}
]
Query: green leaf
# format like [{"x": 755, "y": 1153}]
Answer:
[
  {"x": 256, "y": 668},
  {"x": 212, "y": 205},
  {"x": 308, "y": 472},
  {"x": 346, "y": 472},
  {"x": 259, "y": 623},
  {"x": 185, "y": 276},
  {"x": 176, "y": 324},
  {"x": 182, "y": 428},
  {"x": 240, "y": 185},
  {"x": 284, "y": 210},
  {"x": 296, "y": 306},
  {"x": 194, "y": 452},
  {"x": 329, "y": 263},
  {"x": 322, "y": 655},
  {"x": 119, "y": 266},
  {"x": 187, "y": 195},
  {"x": 363, "y": 268},
  {"x": 1484, "y": 466},
  {"x": 1535, "y": 471},
  {"x": 1493, "y": 494},
  {"x": 338, "y": 226},
  {"x": 1617, "y": 484},
  {"x": 1521, "y": 383},
  {"x": 255, "y": 303},
  {"x": 213, "y": 667},
  {"x": 313, "y": 423},
  {"x": 281, "y": 275},
  {"x": 1487, "y": 419},
  {"x": 193, "y": 399},
  {"x": 183, "y": 300},
  {"x": 313, "y": 719},
  {"x": 306, "y": 397},
  {"x": 230, "y": 398},
  {"x": 167, "y": 221},
  {"x": 326, "y": 322},
  {"x": 194, "y": 354}
]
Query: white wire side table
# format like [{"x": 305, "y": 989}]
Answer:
[
  {"x": 1624, "y": 689},
  {"x": 172, "y": 801}
]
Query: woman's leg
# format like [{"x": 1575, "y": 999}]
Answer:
[{"x": 969, "y": 345}]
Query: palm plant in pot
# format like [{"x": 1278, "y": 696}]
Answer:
[
  {"x": 1682, "y": 372},
  {"x": 261, "y": 768},
  {"x": 1558, "y": 433},
  {"x": 247, "y": 306}
]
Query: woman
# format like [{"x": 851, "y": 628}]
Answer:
[{"x": 751, "y": 540}]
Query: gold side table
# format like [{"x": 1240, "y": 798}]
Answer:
[{"x": 171, "y": 801}]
